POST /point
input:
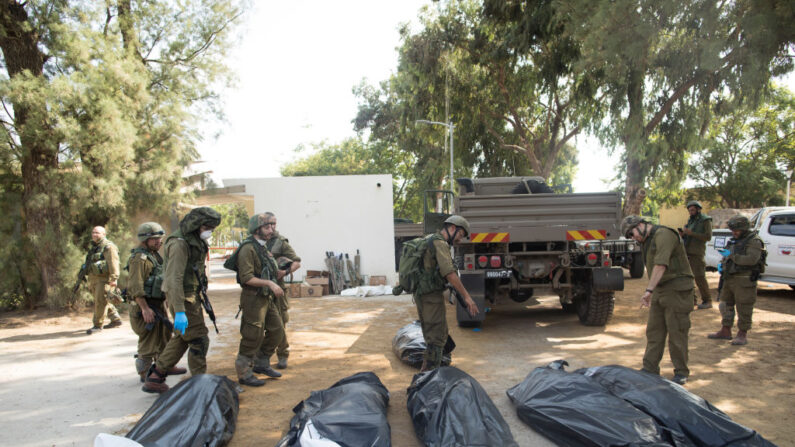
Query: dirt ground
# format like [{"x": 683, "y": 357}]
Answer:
[{"x": 61, "y": 387}]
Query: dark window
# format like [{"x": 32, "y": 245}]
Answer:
[{"x": 783, "y": 225}]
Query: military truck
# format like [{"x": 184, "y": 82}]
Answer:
[{"x": 531, "y": 243}]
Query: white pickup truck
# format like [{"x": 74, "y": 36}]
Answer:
[{"x": 776, "y": 227}]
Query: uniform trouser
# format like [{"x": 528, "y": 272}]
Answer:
[
  {"x": 99, "y": 289},
  {"x": 738, "y": 292},
  {"x": 699, "y": 268},
  {"x": 283, "y": 348},
  {"x": 151, "y": 342},
  {"x": 433, "y": 319},
  {"x": 254, "y": 312},
  {"x": 274, "y": 333},
  {"x": 195, "y": 341},
  {"x": 669, "y": 315}
]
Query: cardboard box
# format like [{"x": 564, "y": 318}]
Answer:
[
  {"x": 316, "y": 281},
  {"x": 293, "y": 290},
  {"x": 378, "y": 280},
  {"x": 317, "y": 273},
  {"x": 311, "y": 291}
]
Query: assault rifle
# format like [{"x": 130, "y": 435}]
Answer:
[
  {"x": 158, "y": 317},
  {"x": 458, "y": 297},
  {"x": 81, "y": 276},
  {"x": 202, "y": 289}
]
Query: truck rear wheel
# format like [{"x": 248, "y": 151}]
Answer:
[
  {"x": 596, "y": 308},
  {"x": 636, "y": 268}
]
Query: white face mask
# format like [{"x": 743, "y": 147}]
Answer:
[
  {"x": 206, "y": 234},
  {"x": 261, "y": 241}
]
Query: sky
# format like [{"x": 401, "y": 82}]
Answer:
[{"x": 297, "y": 63}]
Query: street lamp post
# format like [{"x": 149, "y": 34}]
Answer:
[
  {"x": 789, "y": 181},
  {"x": 450, "y": 127}
]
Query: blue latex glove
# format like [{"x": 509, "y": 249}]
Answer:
[
  {"x": 180, "y": 322},
  {"x": 724, "y": 252},
  {"x": 720, "y": 267}
]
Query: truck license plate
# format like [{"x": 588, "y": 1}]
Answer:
[{"x": 498, "y": 273}]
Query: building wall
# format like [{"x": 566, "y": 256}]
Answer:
[{"x": 331, "y": 213}]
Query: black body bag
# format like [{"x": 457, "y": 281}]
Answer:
[{"x": 409, "y": 345}]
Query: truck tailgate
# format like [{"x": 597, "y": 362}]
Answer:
[{"x": 544, "y": 217}]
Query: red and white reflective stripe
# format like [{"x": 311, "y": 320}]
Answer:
[
  {"x": 584, "y": 235},
  {"x": 489, "y": 237}
]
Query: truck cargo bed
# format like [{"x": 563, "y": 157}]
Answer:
[{"x": 544, "y": 217}]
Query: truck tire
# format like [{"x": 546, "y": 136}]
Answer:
[
  {"x": 636, "y": 268},
  {"x": 596, "y": 309}
]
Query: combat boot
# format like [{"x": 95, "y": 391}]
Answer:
[
  {"x": 142, "y": 365},
  {"x": 94, "y": 330},
  {"x": 725, "y": 333},
  {"x": 740, "y": 339},
  {"x": 282, "y": 363},
  {"x": 112, "y": 324},
  {"x": 244, "y": 375},
  {"x": 155, "y": 381},
  {"x": 263, "y": 366}
]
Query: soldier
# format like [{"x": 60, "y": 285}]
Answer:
[
  {"x": 742, "y": 263},
  {"x": 256, "y": 274},
  {"x": 696, "y": 233},
  {"x": 669, "y": 294},
  {"x": 102, "y": 267},
  {"x": 429, "y": 298},
  {"x": 148, "y": 315},
  {"x": 185, "y": 252},
  {"x": 288, "y": 262}
]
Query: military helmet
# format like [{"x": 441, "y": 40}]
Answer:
[
  {"x": 148, "y": 230},
  {"x": 695, "y": 203},
  {"x": 739, "y": 223},
  {"x": 629, "y": 223},
  {"x": 203, "y": 215},
  {"x": 459, "y": 222},
  {"x": 257, "y": 221}
]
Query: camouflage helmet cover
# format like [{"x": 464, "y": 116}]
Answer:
[
  {"x": 203, "y": 215},
  {"x": 148, "y": 230},
  {"x": 459, "y": 222},
  {"x": 695, "y": 203},
  {"x": 739, "y": 223},
  {"x": 257, "y": 221},
  {"x": 629, "y": 223}
]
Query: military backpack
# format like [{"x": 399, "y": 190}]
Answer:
[{"x": 412, "y": 275}]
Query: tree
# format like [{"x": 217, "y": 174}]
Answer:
[
  {"x": 99, "y": 106},
  {"x": 660, "y": 64},
  {"x": 744, "y": 153}
]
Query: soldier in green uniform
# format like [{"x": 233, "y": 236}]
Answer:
[
  {"x": 429, "y": 298},
  {"x": 696, "y": 233},
  {"x": 185, "y": 253},
  {"x": 742, "y": 263},
  {"x": 669, "y": 294},
  {"x": 148, "y": 314},
  {"x": 288, "y": 262},
  {"x": 102, "y": 271},
  {"x": 256, "y": 274}
]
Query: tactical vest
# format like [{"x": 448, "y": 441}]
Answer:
[
  {"x": 696, "y": 224},
  {"x": 153, "y": 283},
  {"x": 740, "y": 247},
  {"x": 268, "y": 263},
  {"x": 96, "y": 264},
  {"x": 197, "y": 253}
]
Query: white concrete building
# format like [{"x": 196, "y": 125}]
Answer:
[{"x": 331, "y": 213}]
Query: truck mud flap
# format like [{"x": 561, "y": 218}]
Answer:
[
  {"x": 607, "y": 279},
  {"x": 475, "y": 283}
]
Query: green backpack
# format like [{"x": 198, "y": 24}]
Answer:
[{"x": 411, "y": 274}]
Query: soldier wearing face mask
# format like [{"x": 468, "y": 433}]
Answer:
[
  {"x": 257, "y": 275},
  {"x": 185, "y": 253}
]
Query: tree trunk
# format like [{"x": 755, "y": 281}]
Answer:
[
  {"x": 41, "y": 211},
  {"x": 634, "y": 141}
]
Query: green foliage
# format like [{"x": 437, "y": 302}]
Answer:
[
  {"x": 100, "y": 101},
  {"x": 745, "y": 152},
  {"x": 233, "y": 226}
]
